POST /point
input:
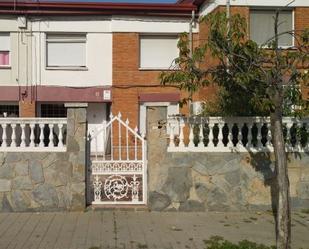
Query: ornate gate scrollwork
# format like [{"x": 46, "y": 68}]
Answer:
[{"x": 116, "y": 187}]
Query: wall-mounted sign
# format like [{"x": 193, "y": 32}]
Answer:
[{"x": 107, "y": 94}]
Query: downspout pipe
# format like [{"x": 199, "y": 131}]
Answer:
[
  {"x": 191, "y": 25},
  {"x": 228, "y": 16},
  {"x": 192, "y": 22}
]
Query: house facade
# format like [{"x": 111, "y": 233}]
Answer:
[
  {"x": 95, "y": 53},
  {"x": 110, "y": 55}
]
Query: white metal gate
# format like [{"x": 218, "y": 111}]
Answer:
[{"x": 119, "y": 169}]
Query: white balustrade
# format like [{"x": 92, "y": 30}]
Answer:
[
  {"x": 239, "y": 134},
  {"x": 249, "y": 135},
  {"x": 201, "y": 135},
  {"x": 23, "y": 135},
  {"x": 32, "y": 134},
  {"x": 51, "y": 135}
]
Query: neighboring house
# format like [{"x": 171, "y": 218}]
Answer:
[
  {"x": 109, "y": 55},
  {"x": 53, "y": 53}
]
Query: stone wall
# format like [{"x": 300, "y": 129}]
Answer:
[
  {"x": 223, "y": 181},
  {"x": 51, "y": 181},
  {"x": 216, "y": 181}
]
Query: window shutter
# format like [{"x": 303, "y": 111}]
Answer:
[
  {"x": 66, "y": 51},
  {"x": 262, "y": 26},
  {"x": 5, "y": 42},
  {"x": 66, "y": 54},
  {"x": 158, "y": 52}
]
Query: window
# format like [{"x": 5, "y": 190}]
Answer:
[
  {"x": 53, "y": 111},
  {"x": 262, "y": 26},
  {"x": 158, "y": 52},
  {"x": 4, "y": 49},
  {"x": 9, "y": 110},
  {"x": 66, "y": 50}
]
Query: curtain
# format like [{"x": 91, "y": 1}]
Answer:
[{"x": 4, "y": 58}]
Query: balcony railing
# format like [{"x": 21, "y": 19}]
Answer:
[
  {"x": 33, "y": 134},
  {"x": 242, "y": 134}
]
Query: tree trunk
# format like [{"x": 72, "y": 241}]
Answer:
[{"x": 283, "y": 212}]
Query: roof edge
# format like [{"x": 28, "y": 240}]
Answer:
[
  {"x": 96, "y": 5},
  {"x": 94, "y": 8}
]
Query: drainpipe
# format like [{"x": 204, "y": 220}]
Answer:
[
  {"x": 192, "y": 22},
  {"x": 228, "y": 15},
  {"x": 191, "y": 32}
]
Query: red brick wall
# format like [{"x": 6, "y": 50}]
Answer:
[
  {"x": 209, "y": 93},
  {"x": 302, "y": 22},
  {"x": 128, "y": 80},
  {"x": 301, "y": 19},
  {"x": 27, "y": 109},
  {"x": 301, "y": 16}
]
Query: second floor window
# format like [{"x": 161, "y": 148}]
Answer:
[
  {"x": 158, "y": 51},
  {"x": 4, "y": 49},
  {"x": 262, "y": 26},
  {"x": 66, "y": 50}
]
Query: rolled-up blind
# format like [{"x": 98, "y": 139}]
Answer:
[
  {"x": 5, "y": 42},
  {"x": 262, "y": 26},
  {"x": 66, "y": 51},
  {"x": 158, "y": 52}
]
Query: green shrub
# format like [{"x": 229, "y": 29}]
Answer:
[{"x": 217, "y": 242}]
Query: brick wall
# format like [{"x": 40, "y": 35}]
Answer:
[
  {"x": 128, "y": 80},
  {"x": 209, "y": 93},
  {"x": 301, "y": 23},
  {"x": 27, "y": 109},
  {"x": 301, "y": 18}
]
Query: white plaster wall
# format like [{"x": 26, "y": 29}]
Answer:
[
  {"x": 8, "y": 23},
  {"x": 72, "y": 24},
  {"x": 150, "y": 24},
  {"x": 98, "y": 52},
  {"x": 98, "y": 62},
  {"x": 28, "y": 47},
  {"x": 8, "y": 76}
]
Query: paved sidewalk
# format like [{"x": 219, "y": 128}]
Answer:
[{"x": 120, "y": 229}]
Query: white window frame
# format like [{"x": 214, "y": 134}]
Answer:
[
  {"x": 141, "y": 35},
  {"x": 10, "y": 51},
  {"x": 143, "y": 113},
  {"x": 274, "y": 9},
  {"x": 72, "y": 68}
]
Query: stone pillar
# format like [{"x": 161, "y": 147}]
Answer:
[
  {"x": 27, "y": 109},
  {"x": 76, "y": 147}
]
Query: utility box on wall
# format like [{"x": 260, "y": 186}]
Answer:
[{"x": 22, "y": 22}]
